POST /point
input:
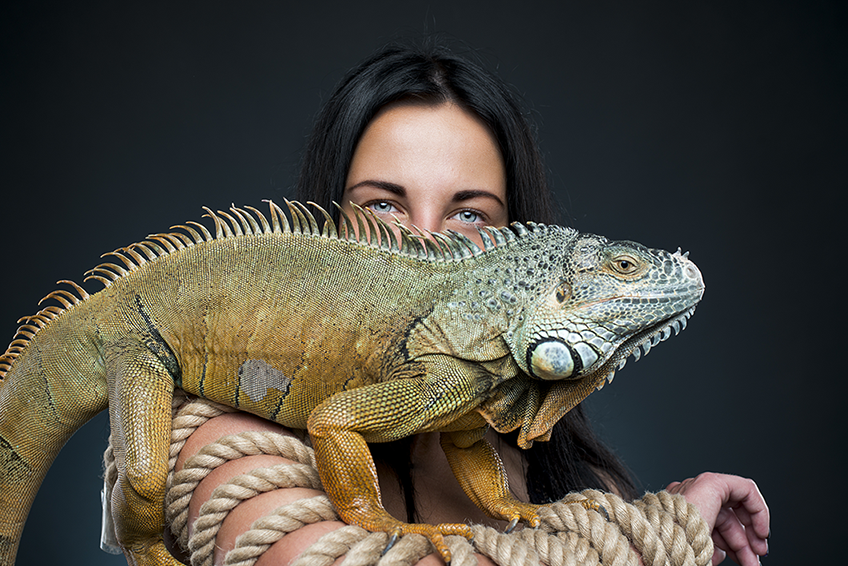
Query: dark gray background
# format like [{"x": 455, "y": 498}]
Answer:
[{"x": 717, "y": 127}]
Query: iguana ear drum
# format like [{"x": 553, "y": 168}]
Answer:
[{"x": 552, "y": 359}]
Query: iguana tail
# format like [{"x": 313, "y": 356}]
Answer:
[{"x": 49, "y": 388}]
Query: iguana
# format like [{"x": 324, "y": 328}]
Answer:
[{"x": 361, "y": 332}]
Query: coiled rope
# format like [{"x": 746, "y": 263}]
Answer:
[{"x": 661, "y": 528}]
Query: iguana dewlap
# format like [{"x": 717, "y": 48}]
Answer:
[{"x": 355, "y": 340}]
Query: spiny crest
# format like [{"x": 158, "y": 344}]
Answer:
[
  {"x": 363, "y": 228},
  {"x": 30, "y": 325}
]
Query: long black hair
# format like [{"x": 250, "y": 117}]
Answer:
[
  {"x": 574, "y": 458},
  {"x": 431, "y": 75}
]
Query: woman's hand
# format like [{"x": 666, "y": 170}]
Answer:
[{"x": 736, "y": 512}]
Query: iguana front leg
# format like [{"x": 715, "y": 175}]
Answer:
[
  {"x": 341, "y": 427},
  {"x": 140, "y": 392},
  {"x": 480, "y": 472}
]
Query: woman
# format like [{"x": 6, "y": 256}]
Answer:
[{"x": 435, "y": 142}]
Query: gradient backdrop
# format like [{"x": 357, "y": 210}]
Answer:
[{"x": 718, "y": 127}]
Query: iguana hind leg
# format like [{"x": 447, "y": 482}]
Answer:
[
  {"x": 140, "y": 392},
  {"x": 480, "y": 472}
]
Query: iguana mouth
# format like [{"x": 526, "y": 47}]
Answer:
[{"x": 641, "y": 344}]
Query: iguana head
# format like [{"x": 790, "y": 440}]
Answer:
[{"x": 612, "y": 298}]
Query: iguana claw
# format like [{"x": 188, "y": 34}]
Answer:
[
  {"x": 593, "y": 505},
  {"x": 392, "y": 540}
]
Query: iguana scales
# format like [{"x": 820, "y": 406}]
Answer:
[{"x": 359, "y": 333}]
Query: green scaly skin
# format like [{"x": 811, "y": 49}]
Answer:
[{"x": 354, "y": 340}]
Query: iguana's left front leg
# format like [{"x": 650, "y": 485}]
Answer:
[{"x": 480, "y": 472}]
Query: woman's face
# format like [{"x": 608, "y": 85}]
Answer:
[{"x": 433, "y": 167}]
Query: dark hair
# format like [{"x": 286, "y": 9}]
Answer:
[
  {"x": 431, "y": 75},
  {"x": 574, "y": 458}
]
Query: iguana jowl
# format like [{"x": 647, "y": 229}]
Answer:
[{"x": 359, "y": 335}]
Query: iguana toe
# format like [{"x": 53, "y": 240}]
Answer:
[
  {"x": 435, "y": 533},
  {"x": 516, "y": 512}
]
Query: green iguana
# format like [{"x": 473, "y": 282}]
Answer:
[{"x": 362, "y": 333}]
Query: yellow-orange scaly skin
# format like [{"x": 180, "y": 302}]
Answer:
[{"x": 356, "y": 341}]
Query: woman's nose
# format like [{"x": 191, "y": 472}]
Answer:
[{"x": 428, "y": 222}]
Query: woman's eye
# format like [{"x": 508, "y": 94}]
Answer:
[
  {"x": 468, "y": 216},
  {"x": 381, "y": 207}
]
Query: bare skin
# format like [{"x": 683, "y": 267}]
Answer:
[
  {"x": 434, "y": 168},
  {"x": 438, "y": 168}
]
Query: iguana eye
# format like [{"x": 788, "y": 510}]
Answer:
[{"x": 625, "y": 265}]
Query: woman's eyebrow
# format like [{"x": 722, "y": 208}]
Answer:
[
  {"x": 385, "y": 185},
  {"x": 470, "y": 194}
]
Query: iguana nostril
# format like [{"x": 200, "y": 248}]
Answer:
[{"x": 693, "y": 272}]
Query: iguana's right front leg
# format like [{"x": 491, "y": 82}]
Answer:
[
  {"x": 339, "y": 429},
  {"x": 140, "y": 392}
]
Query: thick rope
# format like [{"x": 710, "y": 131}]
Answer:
[{"x": 664, "y": 529}]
